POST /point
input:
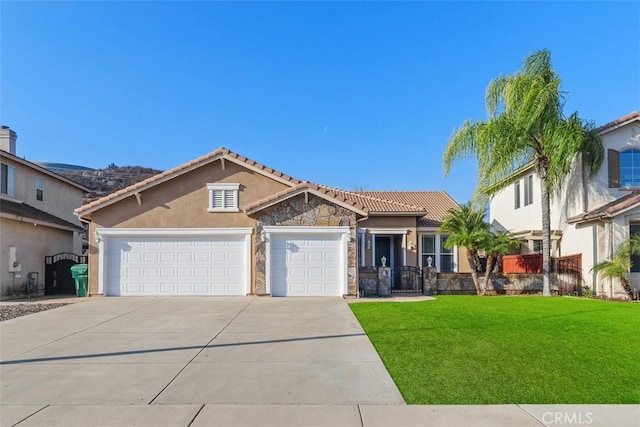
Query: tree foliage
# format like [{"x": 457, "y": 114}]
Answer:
[{"x": 526, "y": 127}]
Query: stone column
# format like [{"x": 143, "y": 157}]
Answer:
[
  {"x": 384, "y": 281},
  {"x": 430, "y": 280}
]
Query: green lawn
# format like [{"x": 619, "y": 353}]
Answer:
[{"x": 498, "y": 350}]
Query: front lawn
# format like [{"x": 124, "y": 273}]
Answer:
[{"x": 499, "y": 350}]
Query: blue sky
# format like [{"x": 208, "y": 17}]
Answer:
[{"x": 346, "y": 94}]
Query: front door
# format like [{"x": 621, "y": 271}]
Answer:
[{"x": 383, "y": 248}]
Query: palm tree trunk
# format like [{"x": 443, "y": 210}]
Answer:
[
  {"x": 474, "y": 272},
  {"x": 487, "y": 273},
  {"x": 546, "y": 239}
]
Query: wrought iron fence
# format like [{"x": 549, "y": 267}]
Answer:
[{"x": 406, "y": 279}]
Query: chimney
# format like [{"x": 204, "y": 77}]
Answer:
[{"x": 8, "y": 140}]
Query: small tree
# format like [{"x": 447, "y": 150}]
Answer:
[
  {"x": 467, "y": 228},
  {"x": 496, "y": 246},
  {"x": 620, "y": 263}
]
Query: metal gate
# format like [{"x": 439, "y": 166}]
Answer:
[
  {"x": 57, "y": 273},
  {"x": 406, "y": 279}
]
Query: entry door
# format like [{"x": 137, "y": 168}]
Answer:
[{"x": 384, "y": 248}]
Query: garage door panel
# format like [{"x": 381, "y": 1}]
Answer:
[
  {"x": 306, "y": 265},
  {"x": 175, "y": 265}
]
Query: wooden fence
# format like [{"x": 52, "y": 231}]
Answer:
[
  {"x": 568, "y": 269},
  {"x": 522, "y": 263}
]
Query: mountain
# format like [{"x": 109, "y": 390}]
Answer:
[{"x": 102, "y": 182}]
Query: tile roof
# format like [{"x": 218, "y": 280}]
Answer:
[
  {"x": 376, "y": 204},
  {"x": 27, "y": 212},
  {"x": 300, "y": 188},
  {"x": 183, "y": 168},
  {"x": 609, "y": 210},
  {"x": 434, "y": 203},
  {"x": 619, "y": 121},
  {"x": 430, "y": 205}
]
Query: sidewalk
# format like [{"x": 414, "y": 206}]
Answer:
[{"x": 320, "y": 415}]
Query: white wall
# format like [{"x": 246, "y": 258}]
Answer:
[{"x": 580, "y": 194}]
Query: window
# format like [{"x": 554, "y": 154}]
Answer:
[
  {"x": 635, "y": 259},
  {"x": 446, "y": 255},
  {"x": 39, "y": 188},
  {"x": 630, "y": 168},
  {"x": 223, "y": 197},
  {"x": 432, "y": 245},
  {"x": 516, "y": 194},
  {"x": 7, "y": 180},
  {"x": 528, "y": 190},
  {"x": 428, "y": 250}
]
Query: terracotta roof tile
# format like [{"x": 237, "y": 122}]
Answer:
[
  {"x": 434, "y": 203},
  {"x": 378, "y": 204},
  {"x": 430, "y": 205},
  {"x": 608, "y": 210},
  {"x": 220, "y": 152},
  {"x": 301, "y": 187},
  {"x": 618, "y": 121}
]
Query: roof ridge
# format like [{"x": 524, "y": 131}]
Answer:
[
  {"x": 305, "y": 185},
  {"x": 222, "y": 151}
]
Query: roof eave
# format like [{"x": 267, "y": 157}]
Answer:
[{"x": 320, "y": 194}]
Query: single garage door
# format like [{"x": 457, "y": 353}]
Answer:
[
  {"x": 175, "y": 265},
  {"x": 307, "y": 265}
]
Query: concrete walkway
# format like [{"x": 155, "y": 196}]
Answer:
[{"x": 222, "y": 361}]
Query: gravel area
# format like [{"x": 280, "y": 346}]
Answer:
[{"x": 11, "y": 311}]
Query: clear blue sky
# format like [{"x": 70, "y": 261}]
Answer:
[{"x": 351, "y": 95}]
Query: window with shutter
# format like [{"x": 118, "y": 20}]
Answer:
[
  {"x": 223, "y": 197},
  {"x": 629, "y": 162}
]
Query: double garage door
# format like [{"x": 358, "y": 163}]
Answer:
[
  {"x": 170, "y": 263},
  {"x": 176, "y": 265}
]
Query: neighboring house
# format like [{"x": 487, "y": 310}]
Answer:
[
  {"x": 36, "y": 218},
  {"x": 591, "y": 216},
  {"x": 223, "y": 224}
]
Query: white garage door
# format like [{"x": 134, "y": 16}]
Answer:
[
  {"x": 307, "y": 265},
  {"x": 175, "y": 265}
]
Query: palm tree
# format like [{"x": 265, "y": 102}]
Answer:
[
  {"x": 467, "y": 228},
  {"x": 526, "y": 127},
  {"x": 620, "y": 263},
  {"x": 496, "y": 245}
]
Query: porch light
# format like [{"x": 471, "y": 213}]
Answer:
[
  {"x": 383, "y": 260},
  {"x": 368, "y": 244},
  {"x": 429, "y": 261}
]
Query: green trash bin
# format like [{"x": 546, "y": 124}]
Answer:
[{"x": 80, "y": 273}]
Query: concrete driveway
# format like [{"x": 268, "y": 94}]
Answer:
[{"x": 191, "y": 351}]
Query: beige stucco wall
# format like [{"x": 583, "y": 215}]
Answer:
[
  {"x": 32, "y": 244},
  {"x": 182, "y": 202},
  {"x": 391, "y": 222},
  {"x": 60, "y": 198}
]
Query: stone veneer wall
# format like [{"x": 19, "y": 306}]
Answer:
[
  {"x": 502, "y": 284},
  {"x": 296, "y": 212}
]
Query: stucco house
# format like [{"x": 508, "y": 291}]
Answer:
[
  {"x": 223, "y": 224},
  {"x": 591, "y": 216},
  {"x": 36, "y": 219}
]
